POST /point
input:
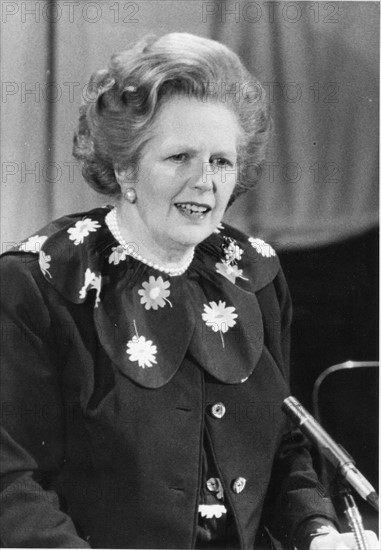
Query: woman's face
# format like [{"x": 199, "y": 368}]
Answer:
[{"x": 186, "y": 174}]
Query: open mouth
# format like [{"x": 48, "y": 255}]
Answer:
[{"x": 192, "y": 208}]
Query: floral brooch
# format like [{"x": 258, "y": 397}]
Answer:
[{"x": 231, "y": 253}]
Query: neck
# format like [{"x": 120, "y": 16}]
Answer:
[{"x": 168, "y": 255}]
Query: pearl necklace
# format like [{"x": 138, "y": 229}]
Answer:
[{"x": 112, "y": 223}]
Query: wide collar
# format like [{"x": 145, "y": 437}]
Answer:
[{"x": 147, "y": 321}]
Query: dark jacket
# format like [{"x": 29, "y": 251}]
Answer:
[{"x": 100, "y": 451}]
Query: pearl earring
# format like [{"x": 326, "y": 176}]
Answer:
[{"x": 130, "y": 195}]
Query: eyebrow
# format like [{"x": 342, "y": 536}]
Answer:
[
  {"x": 225, "y": 154},
  {"x": 166, "y": 146}
]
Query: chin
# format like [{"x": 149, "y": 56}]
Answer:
[{"x": 193, "y": 237}]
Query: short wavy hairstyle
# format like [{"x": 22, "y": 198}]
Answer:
[{"x": 122, "y": 101}]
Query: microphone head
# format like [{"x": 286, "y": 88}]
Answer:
[{"x": 295, "y": 410}]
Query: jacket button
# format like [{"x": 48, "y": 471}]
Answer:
[
  {"x": 239, "y": 485},
  {"x": 218, "y": 410},
  {"x": 212, "y": 484}
]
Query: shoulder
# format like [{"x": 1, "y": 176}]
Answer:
[
  {"x": 255, "y": 260},
  {"x": 23, "y": 295},
  {"x": 261, "y": 248},
  {"x": 76, "y": 225},
  {"x": 56, "y": 255}
]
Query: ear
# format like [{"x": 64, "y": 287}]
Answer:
[
  {"x": 120, "y": 176},
  {"x": 127, "y": 177}
]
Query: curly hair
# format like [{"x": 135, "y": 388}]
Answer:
[{"x": 114, "y": 124}]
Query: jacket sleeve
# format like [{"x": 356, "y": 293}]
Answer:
[
  {"x": 32, "y": 423},
  {"x": 295, "y": 493}
]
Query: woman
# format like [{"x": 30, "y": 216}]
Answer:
[{"x": 147, "y": 344}]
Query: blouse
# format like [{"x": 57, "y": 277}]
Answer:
[{"x": 98, "y": 344}]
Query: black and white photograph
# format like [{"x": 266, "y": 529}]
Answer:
[{"x": 189, "y": 274}]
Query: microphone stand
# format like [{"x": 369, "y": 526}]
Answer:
[
  {"x": 343, "y": 463},
  {"x": 353, "y": 517}
]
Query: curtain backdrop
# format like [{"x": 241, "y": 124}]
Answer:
[{"x": 319, "y": 65}]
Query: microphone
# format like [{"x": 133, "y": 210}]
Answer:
[{"x": 335, "y": 453}]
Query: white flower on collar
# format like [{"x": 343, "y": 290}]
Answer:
[
  {"x": 219, "y": 317},
  {"x": 94, "y": 282},
  {"x": 118, "y": 254},
  {"x": 231, "y": 272},
  {"x": 141, "y": 350},
  {"x": 155, "y": 293},
  {"x": 220, "y": 227},
  {"x": 82, "y": 229},
  {"x": 261, "y": 247},
  {"x": 44, "y": 261},
  {"x": 33, "y": 244}
]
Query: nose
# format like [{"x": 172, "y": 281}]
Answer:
[{"x": 205, "y": 179}]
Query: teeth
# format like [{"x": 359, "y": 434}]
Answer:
[{"x": 192, "y": 208}]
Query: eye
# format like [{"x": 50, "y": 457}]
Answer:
[
  {"x": 180, "y": 157},
  {"x": 221, "y": 162}
]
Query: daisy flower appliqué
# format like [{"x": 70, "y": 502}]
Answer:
[
  {"x": 91, "y": 281},
  {"x": 212, "y": 510},
  {"x": 219, "y": 228},
  {"x": 231, "y": 272},
  {"x": 219, "y": 317},
  {"x": 261, "y": 247},
  {"x": 141, "y": 350},
  {"x": 154, "y": 293},
  {"x": 44, "y": 261},
  {"x": 82, "y": 229},
  {"x": 33, "y": 244},
  {"x": 118, "y": 254}
]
